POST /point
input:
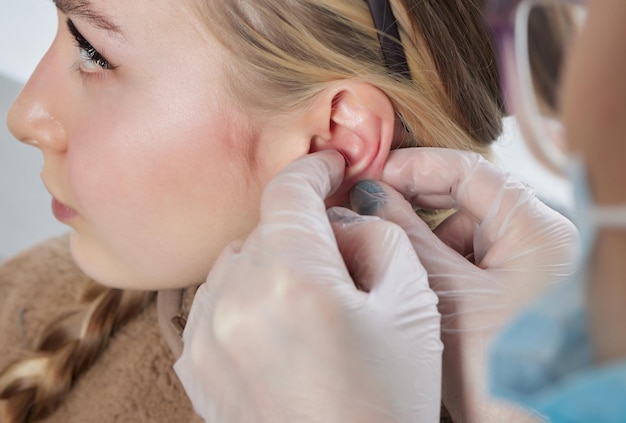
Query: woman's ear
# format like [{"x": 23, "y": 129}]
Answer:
[{"x": 359, "y": 122}]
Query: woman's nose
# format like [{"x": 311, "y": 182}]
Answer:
[{"x": 36, "y": 115}]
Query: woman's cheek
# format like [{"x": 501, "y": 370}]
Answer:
[{"x": 161, "y": 221}]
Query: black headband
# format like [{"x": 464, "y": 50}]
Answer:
[{"x": 389, "y": 37}]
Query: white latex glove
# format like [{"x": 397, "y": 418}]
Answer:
[
  {"x": 280, "y": 333},
  {"x": 500, "y": 249}
]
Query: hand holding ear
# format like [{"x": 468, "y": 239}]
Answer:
[
  {"x": 500, "y": 249},
  {"x": 281, "y": 333}
]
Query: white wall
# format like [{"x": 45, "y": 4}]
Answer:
[{"x": 26, "y": 29}]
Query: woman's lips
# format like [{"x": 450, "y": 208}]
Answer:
[{"x": 62, "y": 212}]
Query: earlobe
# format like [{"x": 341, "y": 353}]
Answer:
[{"x": 361, "y": 123}]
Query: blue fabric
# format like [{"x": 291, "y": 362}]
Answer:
[{"x": 543, "y": 361}]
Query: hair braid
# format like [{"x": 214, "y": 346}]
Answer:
[{"x": 34, "y": 387}]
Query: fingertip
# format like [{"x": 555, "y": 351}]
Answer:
[
  {"x": 367, "y": 197},
  {"x": 333, "y": 160},
  {"x": 319, "y": 173},
  {"x": 336, "y": 164},
  {"x": 301, "y": 188},
  {"x": 376, "y": 198},
  {"x": 333, "y": 155}
]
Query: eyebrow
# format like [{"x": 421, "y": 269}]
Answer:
[{"x": 84, "y": 9}]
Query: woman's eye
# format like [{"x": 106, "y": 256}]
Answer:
[{"x": 90, "y": 59}]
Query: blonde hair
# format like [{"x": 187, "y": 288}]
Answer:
[
  {"x": 285, "y": 52},
  {"x": 32, "y": 388}
]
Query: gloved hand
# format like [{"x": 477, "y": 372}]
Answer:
[
  {"x": 280, "y": 333},
  {"x": 500, "y": 249}
]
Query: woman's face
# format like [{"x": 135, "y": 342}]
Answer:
[{"x": 148, "y": 160}]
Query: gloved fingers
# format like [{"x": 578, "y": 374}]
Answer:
[
  {"x": 342, "y": 221},
  {"x": 428, "y": 177},
  {"x": 240, "y": 284},
  {"x": 508, "y": 215},
  {"x": 263, "y": 314},
  {"x": 229, "y": 275},
  {"x": 378, "y": 198},
  {"x": 295, "y": 255},
  {"x": 382, "y": 200},
  {"x": 293, "y": 223},
  {"x": 227, "y": 317},
  {"x": 384, "y": 264},
  {"x": 204, "y": 368},
  {"x": 437, "y": 257},
  {"x": 440, "y": 178},
  {"x": 294, "y": 199},
  {"x": 513, "y": 229},
  {"x": 457, "y": 232},
  {"x": 381, "y": 259},
  {"x": 252, "y": 294}
]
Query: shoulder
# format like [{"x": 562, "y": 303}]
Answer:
[
  {"x": 34, "y": 285},
  {"x": 132, "y": 380},
  {"x": 48, "y": 264}
]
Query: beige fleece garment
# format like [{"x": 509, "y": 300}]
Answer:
[{"x": 132, "y": 381}]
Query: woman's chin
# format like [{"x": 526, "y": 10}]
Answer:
[
  {"x": 110, "y": 271},
  {"x": 94, "y": 263},
  {"x": 116, "y": 269}
]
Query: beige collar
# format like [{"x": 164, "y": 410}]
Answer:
[{"x": 173, "y": 307}]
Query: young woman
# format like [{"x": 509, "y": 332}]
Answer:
[{"x": 161, "y": 122}]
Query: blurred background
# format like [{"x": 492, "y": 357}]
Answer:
[
  {"x": 26, "y": 30},
  {"x": 27, "y": 27}
]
